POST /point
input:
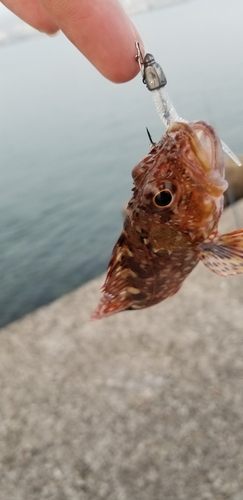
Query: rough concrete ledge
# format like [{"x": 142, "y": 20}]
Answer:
[{"x": 141, "y": 406}]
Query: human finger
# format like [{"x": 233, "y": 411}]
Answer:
[
  {"x": 102, "y": 31},
  {"x": 33, "y": 13}
]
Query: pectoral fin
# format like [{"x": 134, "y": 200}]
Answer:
[{"x": 224, "y": 254}]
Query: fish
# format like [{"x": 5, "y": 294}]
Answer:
[{"x": 171, "y": 222}]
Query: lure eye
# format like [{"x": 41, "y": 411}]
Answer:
[{"x": 163, "y": 198}]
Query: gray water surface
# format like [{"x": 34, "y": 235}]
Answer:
[{"x": 69, "y": 140}]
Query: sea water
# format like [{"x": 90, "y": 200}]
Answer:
[{"x": 69, "y": 140}]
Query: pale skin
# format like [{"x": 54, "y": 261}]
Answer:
[{"x": 100, "y": 29}]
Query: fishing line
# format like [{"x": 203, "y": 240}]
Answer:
[{"x": 155, "y": 80}]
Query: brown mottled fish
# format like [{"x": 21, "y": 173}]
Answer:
[{"x": 171, "y": 221}]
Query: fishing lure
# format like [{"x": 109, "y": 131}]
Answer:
[{"x": 172, "y": 218}]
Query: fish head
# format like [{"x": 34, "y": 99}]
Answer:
[{"x": 178, "y": 193}]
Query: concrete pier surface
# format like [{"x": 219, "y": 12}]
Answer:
[{"x": 145, "y": 405}]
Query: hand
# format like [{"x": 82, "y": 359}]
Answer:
[{"x": 100, "y": 29}]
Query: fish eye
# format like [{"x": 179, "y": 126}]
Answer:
[{"x": 163, "y": 198}]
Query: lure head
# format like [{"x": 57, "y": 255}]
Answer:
[{"x": 178, "y": 194}]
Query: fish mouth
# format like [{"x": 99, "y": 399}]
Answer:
[{"x": 204, "y": 157}]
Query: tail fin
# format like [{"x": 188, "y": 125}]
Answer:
[{"x": 110, "y": 305}]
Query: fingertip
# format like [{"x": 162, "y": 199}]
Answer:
[
  {"x": 126, "y": 66},
  {"x": 124, "y": 70},
  {"x": 118, "y": 63},
  {"x": 102, "y": 31}
]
